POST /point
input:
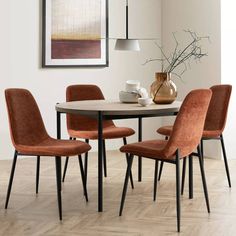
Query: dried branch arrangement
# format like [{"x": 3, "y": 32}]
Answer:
[{"x": 181, "y": 58}]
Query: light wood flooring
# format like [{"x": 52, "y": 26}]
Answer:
[{"x": 31, "y": 214}]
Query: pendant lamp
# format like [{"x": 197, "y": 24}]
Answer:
[{"x": 127, "y": 44}]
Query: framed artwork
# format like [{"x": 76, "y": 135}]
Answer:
[{"x": 75, "y": 33}]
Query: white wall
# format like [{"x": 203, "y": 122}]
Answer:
[
  {"x": 20, "y": 47},
  {"x": 202, "y": 17},
  {"x": 228, "y": 47},
  {"x": 20, "y": 23}
]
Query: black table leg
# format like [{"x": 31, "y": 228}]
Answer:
[
  {"x": 58, "y": 125},
  {"x": 100, "y": 165},
  {"x": 140, "y": 158}
]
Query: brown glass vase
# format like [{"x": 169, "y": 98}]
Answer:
[{"x": 163, "y": 90}]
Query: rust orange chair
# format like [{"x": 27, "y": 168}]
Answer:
[
  {"x": 184, "y": 139},
  {"x": 214, "y": 124},
  {"x": 83, "y": 127},
  {"x": 30, "y": 138}
]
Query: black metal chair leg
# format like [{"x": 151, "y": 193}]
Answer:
[
  {"x": 86, "y": 164},
  {"x": 202, "y": 151},
  {"x": 130, "y": 161},
  {"x": 83, "y": 177},
  {"x": 37, "y": 174},
  {"x": 65, "y": 166},
  {"x": 104, "y": 158},
  {"x": 131, "y": 176},
  {"x": 160, "y": 172},
  {"x": 162, "y": 163},
  {"x": 127, "y": 157},
  {"x": 183, "y": 175},
  {"x": 155, "y": 180},
  {"x": 203, "y": 180},
  {"x": 178, "y": 208},
  {"x": 225, "y": 160},
  {"x": 58, "y": 178},
  {"x": 11, "y": 178},
  {"x": 190, "y": 159}
]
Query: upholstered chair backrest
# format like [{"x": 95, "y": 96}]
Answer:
[
  {"x": 189, "y": 123},
  {"x": 26, "y": 124},
  {"x": 80, "y": 93},
  {"x": 218, "y": 108}
]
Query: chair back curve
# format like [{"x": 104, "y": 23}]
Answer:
[
  {"x": 79, "y": 93},
  {"x": 218, "y": 108},
  {"x": 25, "y": 120},
  {"x": 189, "y": 123}
]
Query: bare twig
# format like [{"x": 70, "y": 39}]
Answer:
[
  {"x": 191, "y": 52},
  {"x": 162, "y": 52},
  {"x": 150, "y": 60}
]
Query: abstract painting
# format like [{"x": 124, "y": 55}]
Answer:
[{"x": 75, "y": 33}]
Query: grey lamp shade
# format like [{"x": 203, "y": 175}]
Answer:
[{"x": 127, "y": 45}]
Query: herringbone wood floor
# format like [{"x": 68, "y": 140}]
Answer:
[{"x": 29, "y": 214}]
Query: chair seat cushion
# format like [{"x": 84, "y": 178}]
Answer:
[
  {"x": 55, "y": 147},
  {"x": 165, "y": 130},
  {"x": 108, "y": 133},
  {"x": 150, "y": 148},
  {"x": 211, "y": 133}
]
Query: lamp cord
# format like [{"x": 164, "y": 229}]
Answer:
[{"x": 127, "y": 20}]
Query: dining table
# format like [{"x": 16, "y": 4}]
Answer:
[{"x": 113, "y": 110}]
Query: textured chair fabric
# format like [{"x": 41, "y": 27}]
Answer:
[
  {"x": 165, "y": 130},
  {"x": 87, "y": 128},
  {"x": 216, "y": 114},
  {"x": 217, "y": 111},
  {"x": 84, "y": 127},
  {"x": 28, "y": 132},
  {"x": 30, "y": 137},
  {"x": 110, "y": 132},
  {"x": 186, "y": 133},
  {"x": 184, "y": 139},
  {"x": 55, "y": 147},
  {"x": 214, "y": 123}
]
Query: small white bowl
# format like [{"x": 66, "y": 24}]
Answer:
[
  {"x": 145, "y": 101},
  {"x": 132, "y": 85}
]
